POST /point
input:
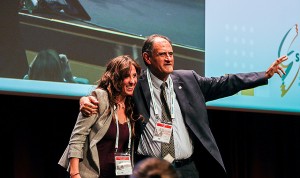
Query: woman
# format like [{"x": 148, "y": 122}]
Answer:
[{"x": 97, "y": 141}]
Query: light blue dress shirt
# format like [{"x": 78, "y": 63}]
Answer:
[{"x": 182, "y": 141}]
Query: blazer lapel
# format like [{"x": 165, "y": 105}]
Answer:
[
  {"x": 179, "y": 88},
  {"x": 146, "y": 91},
  {"x": 101, "y": 131}
]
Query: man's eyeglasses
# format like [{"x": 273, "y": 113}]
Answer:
[{"x": 165, "y": 54}]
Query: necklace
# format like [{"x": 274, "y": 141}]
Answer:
[{"x": 121, "y": 102}]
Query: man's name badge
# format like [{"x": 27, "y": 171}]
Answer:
[{"x": 162, "y": 132}]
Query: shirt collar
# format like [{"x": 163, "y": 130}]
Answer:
[{"x": 156, "y": 82}]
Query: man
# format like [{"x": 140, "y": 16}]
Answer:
[{"x": 187, "y": 93}]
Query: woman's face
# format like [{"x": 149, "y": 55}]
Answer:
[{"x": 129, "y": 82}]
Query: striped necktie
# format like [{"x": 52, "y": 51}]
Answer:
[{"x": 166, "y": 148}]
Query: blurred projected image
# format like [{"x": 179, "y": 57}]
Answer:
[
  {"x": 63, "y": 7},
  {"x": 67, "y": 43},
  {"x": 48, "y": 65}
]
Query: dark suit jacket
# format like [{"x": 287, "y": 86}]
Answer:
[{"x": 192, "y": 92}]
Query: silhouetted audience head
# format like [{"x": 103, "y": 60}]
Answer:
[
  {"x": 154, "y": 168},
  {"x": 46, "y": 66}
]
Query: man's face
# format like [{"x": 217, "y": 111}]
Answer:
[{"x": 161, "y": 62}]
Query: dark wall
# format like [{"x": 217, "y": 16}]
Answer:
[
  {"x": 258, "y": 145},
  {"x": 36, "y": 130},
  {"x": 13, "y": 62}
]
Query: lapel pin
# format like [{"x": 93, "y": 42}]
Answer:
[{"x": 180, "y": 87}]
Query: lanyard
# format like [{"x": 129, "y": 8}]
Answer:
[
  {"x": 117, "y": 137},
  {"x": 170, "y": 95}
]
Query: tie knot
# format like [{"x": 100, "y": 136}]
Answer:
[{"x": 163, "y": 85}]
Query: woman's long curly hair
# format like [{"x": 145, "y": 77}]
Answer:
[{"x": 112, "y": 81}]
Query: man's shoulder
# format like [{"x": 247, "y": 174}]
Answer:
[{"x": 182, "y": 72}]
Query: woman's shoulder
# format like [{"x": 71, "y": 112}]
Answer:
[
  {"x": 102, "y": 97},
  {"x": 100, "y": 91},
  {"x": 100, "y": 94}
]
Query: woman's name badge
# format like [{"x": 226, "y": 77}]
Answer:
[
  {"x": 162, "y": 132},
  {"x": 123, "y": 164}
]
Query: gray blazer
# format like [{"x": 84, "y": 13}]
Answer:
[{"x": 87, "y": 132}]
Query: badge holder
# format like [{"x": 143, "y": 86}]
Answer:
[
  {"x": 122, "y": 160},
  {"x": 162, "y": 132},
  {"x": 123, "y": 164}
]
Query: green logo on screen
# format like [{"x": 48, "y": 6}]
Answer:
[{"x": 290, "y": 46}]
